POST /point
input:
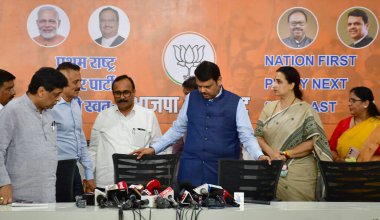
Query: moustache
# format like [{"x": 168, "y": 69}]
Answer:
[
  {"x": 297, "y": 29},
  {"x": 77, "y": 90},
  {"x": 122, "y": 100}
]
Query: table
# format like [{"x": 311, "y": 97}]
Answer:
[{"x": 277, "y": 210}]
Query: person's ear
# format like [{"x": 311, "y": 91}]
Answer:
[
  {"x": 41, "y": 92},
  {"x": 219, "y": 82}
]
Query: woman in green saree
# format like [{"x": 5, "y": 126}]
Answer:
[{"x": 289, "y": 129}]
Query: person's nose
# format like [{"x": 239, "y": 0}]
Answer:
[{"x": 13, "y": 91}]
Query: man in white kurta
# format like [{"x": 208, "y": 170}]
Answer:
[{"x": 122, "y": 128}]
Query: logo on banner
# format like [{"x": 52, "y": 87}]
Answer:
[{"x": 183, "y": 53}]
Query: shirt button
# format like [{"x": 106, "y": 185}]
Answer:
[
  {"x": 205, "y": 139},
  {"x": 206, "y": 128}
]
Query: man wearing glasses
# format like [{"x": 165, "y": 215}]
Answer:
[
  {"x": 120, "y": 129},
  {"x": 297, "y": 20}
]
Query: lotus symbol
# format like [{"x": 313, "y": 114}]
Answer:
[{"x": 189, "y": 56}]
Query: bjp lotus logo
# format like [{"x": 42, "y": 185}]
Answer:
[
  {"x": 183, "y": 53},
  {"x": 189, "y": 57}
]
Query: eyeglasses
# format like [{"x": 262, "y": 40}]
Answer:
[
  {"x": 295, "y": 23},
  {"x": 125, "y": 93},
  {"x": 352, "y": 101}
]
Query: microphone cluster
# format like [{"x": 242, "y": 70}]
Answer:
[{"x": 154, "y": 195}]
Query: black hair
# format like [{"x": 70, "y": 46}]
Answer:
[
  {"x": 292, "y": 76},
  {"x": 109, "y": 9},
  {"x": 190, "y": 83},
  {"x": 119, "y": 78},
  {"x": 206, "y": 71},
  {"x": 359, "y": 13},
  {"x": 5, "y": 76},
  {"x": 297, "y": 11},
  {"x": 365, "y": 94},
  {"x": 68, "y": 66},
  {"x": 47, "y": 77}
]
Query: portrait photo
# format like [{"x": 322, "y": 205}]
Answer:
[
  {"x": 297, "y": 28},
  {"x": 48, "y": 25},
  {"x": 357, "y": 27},
  {"x": 109, "y": 26}
]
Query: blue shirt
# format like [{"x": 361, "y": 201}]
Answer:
[
  {"x": 244, "y": 128},
  {"x": 71, "y": 141}
]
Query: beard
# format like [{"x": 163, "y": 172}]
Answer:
[{"x": 48, "y": 35}]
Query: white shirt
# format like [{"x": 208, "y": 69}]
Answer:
[
  {"x": 115, "y": 133},
  {"x": 356, "y": 42},
  {"x": 1, "y": 107},
  {"x": 107, "y": 42}
]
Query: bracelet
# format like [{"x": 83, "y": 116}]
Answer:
[{"x": 287, "y": 154}]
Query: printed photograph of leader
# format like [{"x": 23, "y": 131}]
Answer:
[
  {"x": 48, "y": 25},
  {"x": 297, "y": 28},
  {"x": 357, "y": 27},
  {"x": 109, "y": 26}
]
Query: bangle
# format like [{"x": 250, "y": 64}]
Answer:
[{"x": 287, "y": 154}]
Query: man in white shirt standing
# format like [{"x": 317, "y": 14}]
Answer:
[
  {"x": 7, "y": 92},
  {"x": 120, "y": 129},
  {"x": 109, "y": 27}
]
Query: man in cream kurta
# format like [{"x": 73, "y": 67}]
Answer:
[{"x": 122, "y": 128}]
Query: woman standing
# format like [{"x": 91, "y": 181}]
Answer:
[
  {"x": 289, "y": 129},
  {"x": 351, "y": 133}
]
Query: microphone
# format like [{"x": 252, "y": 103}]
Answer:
[
  {"x": 122, "y": 185},
  {"x": 216, "y": 190},
  {"x": 230, "y": 199},
  {"x": 162, "y": 203},
  {"x": 100, "y": 198},
  {"x": 139, "y": 187},
  {"x": 202, "y": 189},
  {"x": 186, "y": 198},
  {"x": 117, "y": 192},
  {"x": 168, "y": 194},
  {"x": 146, "y": 192},
  {"x": 142, "y": 202},
  {"x": 135, "y": 192},
  {"x": 153, "y": 186}
]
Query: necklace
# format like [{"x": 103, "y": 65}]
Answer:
[{"x": 283, "y": 112}]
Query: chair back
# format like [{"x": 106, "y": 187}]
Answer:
[
  {"x": 133, "y": 171},
  {"x": 257, "y": 179},
  {"x": 65, "y": 180},
  {"x": 351, "y": 182}
]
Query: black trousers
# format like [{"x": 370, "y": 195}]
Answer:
[{"x": 78, "y": 187}]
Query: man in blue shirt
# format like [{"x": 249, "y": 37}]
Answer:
[
  {"x": 71, "y": 141},
  {"x": 215, "y": 121}
]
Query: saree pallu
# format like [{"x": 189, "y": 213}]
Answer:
[
  {"x": 287, "y": 129},
  {"x": 356, "y": 136}
]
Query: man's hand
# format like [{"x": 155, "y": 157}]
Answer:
[
  {"x": 144, "y": 151},
  {"x": 6, "y": 194},
  {"x": 277, "y": 156},
  {"x": 90, "y": 186},
  {"x": 263, "y": 157}
]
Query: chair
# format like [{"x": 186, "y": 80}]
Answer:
[
  {"x": 351, "y": 182},
  {"x": 257, "y": 179},
  {"x": 133, "y": 171},
  {"x": 65, "y": 180}
]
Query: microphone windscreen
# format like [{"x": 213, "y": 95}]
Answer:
[{"x": 152, "y": 185}]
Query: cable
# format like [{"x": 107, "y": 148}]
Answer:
[
  {"x": 121, "y": 213},
  {"x": 196, "y": 216}
]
